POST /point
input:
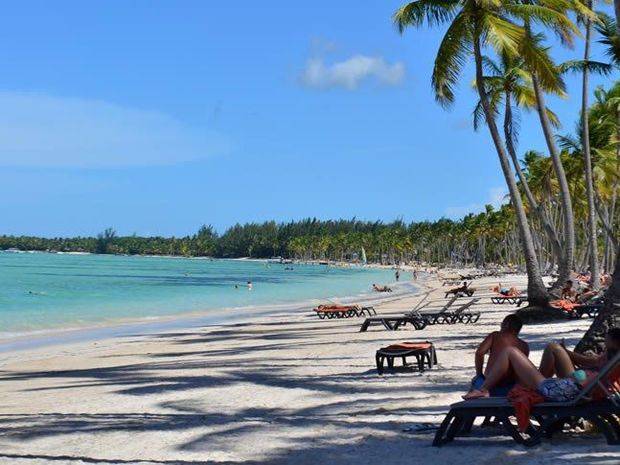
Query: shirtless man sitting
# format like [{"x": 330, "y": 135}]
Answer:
[{"x": 493, "y": 345}]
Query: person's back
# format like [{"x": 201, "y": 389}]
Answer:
[
  {"x": 493, "y": 345},
  {"x": 500, "y": 340}
]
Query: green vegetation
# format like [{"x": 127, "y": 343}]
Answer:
[{"x": 578, "y": 177}]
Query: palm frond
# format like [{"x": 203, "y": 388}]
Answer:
[
  {"x": 503, "y": 35},
  {"x": 552, "y": 19},
  {"x": 451, "y": 58},
  {"x": 478, "y": 115},
  {"x": 568, "y": 143},
  {"x": 539, "y": 63},
  {"x": 606, "y": 27},
  {"x": 578, "y": 66},
  {"x": 433, "y": 12},
  {"x": 491, "y": 66}
]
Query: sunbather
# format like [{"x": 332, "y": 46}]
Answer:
[
  {"x": 506, "y": 291},
  {"x": 586, "y": 295},
  {"x": 493, "y": 345},
  {"x": 464, "y": 289},
  {"x": 381, "y": 288},
  {"x": 556, "y": 360}
]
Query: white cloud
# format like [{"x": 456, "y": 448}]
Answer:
[
  {"x": 495, "y": 197},
  {"x": 350, "y": 73},
  {"x": 42, "y": 130}
]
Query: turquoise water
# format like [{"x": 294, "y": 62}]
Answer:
[{"x": 41, "y": 291}]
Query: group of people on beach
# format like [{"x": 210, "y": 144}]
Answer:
[
  {"x": 559, "y": 378},
  {"x": 579, "y": 289}
]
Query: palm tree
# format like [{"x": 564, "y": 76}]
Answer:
[
  {"x": 506, "y": 82},
  {"x": 551, "y": 81},
  {"x": 587, "y": 158},
  {"x": 586, "y": 66},
  {"x": 472, "y": 26}
]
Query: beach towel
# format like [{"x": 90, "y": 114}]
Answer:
[
  {"x": 564, "y": 304},
  {"x": 523, "y": 399},
  {"x": 335, "y": 307},
  {"x": 409, "y": 346}
]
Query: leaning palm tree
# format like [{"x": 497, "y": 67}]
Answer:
[
  {"x": 474, "y": 25},
  {"x": 550, "y": 80},
  {"x": 508, "y": 84},
  {"x": 555, "y": 85}
]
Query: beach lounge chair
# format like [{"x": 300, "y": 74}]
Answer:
[
  {"x": 573, "y": 310},
  {"x": 424, "y": 353},
  {"x": 446, "y": 317},
  {"x": 436, "y": 318},
  {"x": 507, "y": 299},
  {"x": 591, "y": 310},
  {"x": 461, "y": 315},
  {"x": 550, "y": 417},
  {"x": 394, "y": 322},
  {"x": 343, "y": 311}
]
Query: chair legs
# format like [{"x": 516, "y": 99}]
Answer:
[{"x": 424, "y": 359}]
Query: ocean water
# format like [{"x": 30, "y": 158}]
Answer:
[{"x": 44, "y": 291}]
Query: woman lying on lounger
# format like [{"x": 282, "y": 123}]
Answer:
[{"x": 556, "y": 360}]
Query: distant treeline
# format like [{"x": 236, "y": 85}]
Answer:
[
  {"x": 480, "y": 239},
  {"x": 487, "y": 237}
]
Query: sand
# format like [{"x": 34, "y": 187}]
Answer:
[{"x": 286, "y": 389}]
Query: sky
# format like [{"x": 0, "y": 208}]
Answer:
[{"x": 155, "y": 117}]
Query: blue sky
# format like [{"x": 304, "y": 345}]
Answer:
[{"x": 155, "y": 117}]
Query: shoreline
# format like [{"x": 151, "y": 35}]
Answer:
[
  {"x": 27, "y": 340},
  {"x": 204, "y": 310}
]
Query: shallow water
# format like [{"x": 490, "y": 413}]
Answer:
[{"x": 41, "y": 291}]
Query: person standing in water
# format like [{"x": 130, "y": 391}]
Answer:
[
  {"x": 250, "y": 285},
  {"x": 397, "y": 275}
]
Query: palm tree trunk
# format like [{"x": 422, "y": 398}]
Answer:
[
  {"x": 567, "y": 204},
  {"x": 552, "y": 234},
  {"x": 537, "y": 292},
  {"x": 587, "y": 160}
]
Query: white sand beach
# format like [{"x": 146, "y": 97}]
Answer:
[{"x": 286, "y": 389}]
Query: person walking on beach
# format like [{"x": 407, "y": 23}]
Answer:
[{"x": 493, "y": 345}]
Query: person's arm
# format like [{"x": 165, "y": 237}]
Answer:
[
  {"x": 483, "y": 349},
  {"x": 583, "y": 361}
]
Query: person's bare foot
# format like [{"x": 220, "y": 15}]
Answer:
[{"x": 476, "y": 394}]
